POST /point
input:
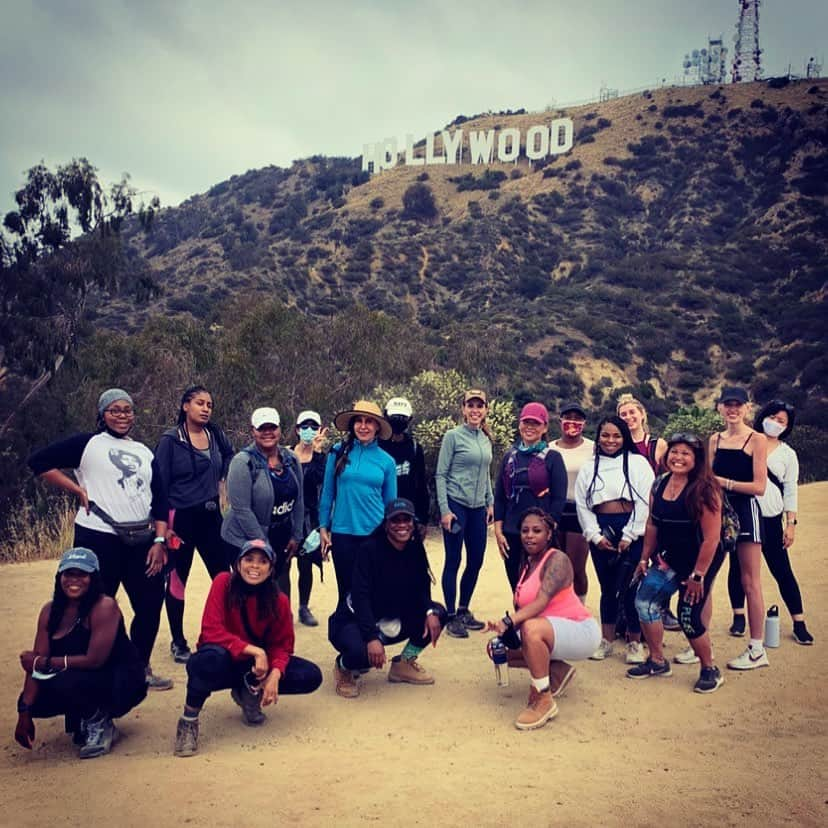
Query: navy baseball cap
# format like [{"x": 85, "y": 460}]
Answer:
[
  {"x": 79, "y": 558},
  {"x": 258, "y": 545},
  {"x": 399, "y": 506}
]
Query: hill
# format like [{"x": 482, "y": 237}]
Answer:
[{"x": 680, "y": 244}]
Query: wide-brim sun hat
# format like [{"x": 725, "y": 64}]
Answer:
[{"x": 367, "y": 409}]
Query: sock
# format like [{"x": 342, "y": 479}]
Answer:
[
  {"x": 541, "y": 684},
  {"x": 757, "y": 645},
  {"x": 190, "y": 716},
  {"x": 410, "y": 652}
]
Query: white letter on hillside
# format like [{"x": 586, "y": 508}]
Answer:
[
  {"x": 479, "y": 143},
  {"x": 431, "y": 158},
  {"x": 561, "y": 133},
  {"x": 452, "y": 143},
  {"x": 511, "y": 136},
  {"x": 534, "y": 152},
  {"x": 410, "y": 159}
]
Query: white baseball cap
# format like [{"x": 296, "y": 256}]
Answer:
[
  {"x": 308, "y": 416},
  {"x": 265, "y": 416},
  {"x": 399, "y": 406}
]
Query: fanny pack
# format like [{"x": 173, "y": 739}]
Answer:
[{"x": 132, "y": 533}]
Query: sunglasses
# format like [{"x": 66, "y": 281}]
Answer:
[
  {"x": 311, "y": 426},
  {"x": 685, "y": 437},
  {"x": 783, "y": 406}
]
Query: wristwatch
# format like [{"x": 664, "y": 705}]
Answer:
[
  {"x": 697, "y": 577},
  {"x": 793, "y": 522}
]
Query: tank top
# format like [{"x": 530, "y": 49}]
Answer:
[
  {"x": 76, "y": 642},
  {"x": 734, "y": 464},
  {"x": 678, "y": 538},
  {"x": 564, "y": 604},
  {"x": 573, "y": 459}
]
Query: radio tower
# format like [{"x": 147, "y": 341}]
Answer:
[{"x": 747, "y": 56}]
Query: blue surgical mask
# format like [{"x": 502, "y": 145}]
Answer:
[{"x": 306, "y": 435}]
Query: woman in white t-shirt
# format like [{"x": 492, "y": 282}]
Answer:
[
  {"x": 576, "y": 450},
  {"x": 113, "y": 483}
]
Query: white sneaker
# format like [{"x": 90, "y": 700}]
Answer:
[
  {"x": 686, "y": 656},
  {"x": 635, "y": 653},
  {"x": 604, "y": 650},
  {"x": 749, "y": 660}
]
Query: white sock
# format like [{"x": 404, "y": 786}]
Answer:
[
  {"x": 541, "y": 684},
  {"x": 757, "y": 645}
]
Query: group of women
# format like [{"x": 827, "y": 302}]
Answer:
[{"x": 141, "y": 516}]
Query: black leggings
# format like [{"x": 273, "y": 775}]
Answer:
[
  {"x": 344, "y": 555},
  {"x": 199, "y": 528},
  {"x": 779, "y": 564},
  {"x": 690, "y": 615},
  {"x": 305, "y": 566},
  {"x": 122, "y": 564},
  {"x": 212, "y": 668}
]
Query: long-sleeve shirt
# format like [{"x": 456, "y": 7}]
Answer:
[
  {"x": 784, "y": 464},
  {"x": 353, "y": 502},
  {"x": 611, "y": 485},
  {"x": 411, "y": 473},
  {"x": 224, "y": 626},
  {"x": 463, "y": 469}
]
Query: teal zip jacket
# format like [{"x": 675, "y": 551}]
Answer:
[{"x": 463, "y": 469}]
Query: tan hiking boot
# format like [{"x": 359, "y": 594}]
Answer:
[
  {"x": 408, "y": 671},
  {"x": 539, "y": 710},
  {"x": 560, "y": 674},
  {"x": 346, "y": 684}
]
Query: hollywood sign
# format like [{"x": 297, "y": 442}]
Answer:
[{"x": 482, "y": 146}]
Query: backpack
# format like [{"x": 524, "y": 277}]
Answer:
[{"x": 537, "y": 475}]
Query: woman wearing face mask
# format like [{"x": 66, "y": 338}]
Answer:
[
  {"x": 576, "y": 450},
  {"x": 778, "y": 506},
  {"x": 310, "y": 453},
  {"x": 531, "y": 475},
  {"x": 113, "y": 483},
  {"x": 190, "y": 465},
  {"x": 612, "y": 497},
  {"x": 739, "y": 461},
  {"x": 265, "y": 490},
  {"x": 466, "y": 501},
  {"x": 360, "y": 481}
]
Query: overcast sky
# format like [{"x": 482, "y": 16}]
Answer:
[{"x": 185, "y": 93}]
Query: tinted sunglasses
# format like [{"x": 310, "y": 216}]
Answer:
[
  {"x": 782, "y": 405},
  {"x": 685, "y": 437}
]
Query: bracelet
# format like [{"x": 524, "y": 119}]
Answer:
[
  {"x": 48, "y": 664},
  {"x": 729, "y": 484},
  {"x": 160, "y": 540},
  {"x": 65, "y": 662},
  {"x": 34, "y": 662}
]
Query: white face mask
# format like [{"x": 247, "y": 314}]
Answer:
[{"x": 771, "y": 427}]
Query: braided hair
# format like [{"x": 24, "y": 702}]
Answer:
[{"x": 627, "y": 448}]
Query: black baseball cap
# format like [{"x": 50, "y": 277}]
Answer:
[{"x": 399, "y": 506}]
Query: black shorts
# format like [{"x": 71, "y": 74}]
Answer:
[
  {"x": 750, "y": 517},
  {"x": 569, "y": 519}
]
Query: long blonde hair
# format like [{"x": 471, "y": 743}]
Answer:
[{"x": 629, "y": 399}]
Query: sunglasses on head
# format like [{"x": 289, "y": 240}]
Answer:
[
  {"x": 782, "y": 406},
  {"x": 685, "y": 437}
]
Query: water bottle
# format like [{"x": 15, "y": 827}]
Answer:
[
  {"x": 772, "y": 627},
  {"x": 497, "y": 651}
]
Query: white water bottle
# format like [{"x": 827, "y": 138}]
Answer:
[{"x": 772, "y": 627}]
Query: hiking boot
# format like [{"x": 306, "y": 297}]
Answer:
[
  {"x": 346, "y": 685},
  {"x": 686, "y": 656},
  {"x": 604, "y": 650},
  {"x": 186, "y": 737},
  {"x": 749, "y": 660},
  {"x": 737, "y": 628},
  {"x": 307, "y": 618},
  {"x": 409, "y": 671},
  {"x": 560, "y": 674},
  {"x": 669, "y": 621},
  {"x": 540, "y": 708},
  {"x": 157, "y": 682},
  {"x": 635, "y": 653},
  {"x": 456, "y": 628},
  {"x": 250, "y": 704},
  {"x": 469, "y": 621},
  {"x": 650, "y": 668},
  {"x": 710, "y": 680},
  {"x": 180, "y": 651},
  {"x": 100, "y": 734},
  {"x": 801, "y": 634}
]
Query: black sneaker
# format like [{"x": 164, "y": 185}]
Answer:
[
  {"x": 801, "y": 634},
  {"x": 710, "y": 680},
  {"x": 669, "y": 621},
  {"x": 469, "y": 621},
  {"x": 456, "y": 628},
  {"x": 180, "y": 651},
  {"x": 737, "y": 628},
  {"x": 307, "y": 618},
  {"x": 650, "y": 668}
]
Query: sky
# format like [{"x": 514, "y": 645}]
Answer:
[{"x": 182, "y": 94}]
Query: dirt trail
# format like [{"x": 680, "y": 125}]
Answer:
[{"x": 619, "y": 753}]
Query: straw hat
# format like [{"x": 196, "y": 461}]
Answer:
[{"x": 343, "y": 420}]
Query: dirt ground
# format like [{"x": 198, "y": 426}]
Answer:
[{"x": 619, "y": 752}]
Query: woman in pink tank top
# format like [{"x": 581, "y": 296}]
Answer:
[{"x": 550, "y": 624}]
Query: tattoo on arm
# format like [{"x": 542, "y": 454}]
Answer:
[{"x": 557, "y": 574}]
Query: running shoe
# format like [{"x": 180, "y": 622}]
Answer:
[
  {"x": 669, "y": 621},
  {"x": 180, "y": 651},
  {"x": 469, "y": 621},
  {"x": 307, "y": 618},
  {"x": 710, "y": 680},
  {"x": 650, "y": 668},
  {"x": 635, "y": 653},
  {"x": 604, "y": 650},
  {"x": 737, "y": 628},
  {"x": 456, "y": 628},
  {"x": 686, "y": 656},
  {"x": 801, "y": 634},
  {"x": 749, "y": 660}
]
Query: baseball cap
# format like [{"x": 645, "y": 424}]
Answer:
[
  {"x": 535, "y": 411},
  {"x": 258, "y": 545},
  {"x": 399, "y": 506},
  {"x": 398, "y": 406},
  {"x": 265, "y": 416},
  {"x": 475, "y": 394},
  {"x": 733, "y": 394},
  {"x": 572, "y": 406},
  {"x": 79, "y": 557}
]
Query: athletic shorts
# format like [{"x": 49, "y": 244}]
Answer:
[
  {"x": 750, "y": 517},
  {"x": 574, "y": 640},
  {"x": 569, "y": 519}
]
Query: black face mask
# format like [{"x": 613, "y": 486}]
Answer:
[{"x": 399, "y": 423}]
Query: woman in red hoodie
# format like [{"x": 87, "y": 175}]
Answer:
[{"x": 246, "y": 646}]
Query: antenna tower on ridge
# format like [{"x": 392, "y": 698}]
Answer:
[{"x": 747, "y": 56}]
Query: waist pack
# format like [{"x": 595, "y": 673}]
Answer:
[
  {"x": 730, "y": 524},
  {"x": 132, "y": 533}
]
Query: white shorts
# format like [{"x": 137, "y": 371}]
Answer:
[{"x": 574, "y": 640}]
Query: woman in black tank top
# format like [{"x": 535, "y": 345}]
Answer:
[{"x": 739, "y": 456}]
